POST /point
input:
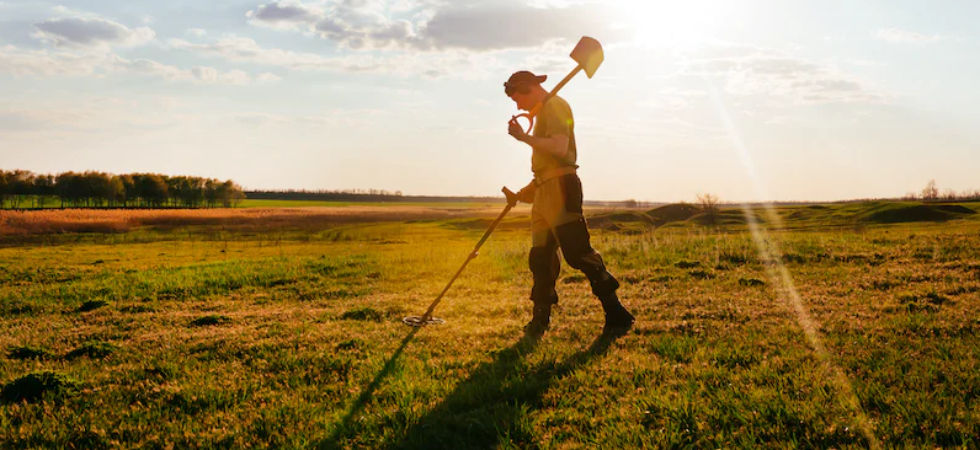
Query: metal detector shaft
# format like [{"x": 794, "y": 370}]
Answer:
[{"x": 473, "y": 254}]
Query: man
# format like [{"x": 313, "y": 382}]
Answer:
[{"x": 556, "y": 214}]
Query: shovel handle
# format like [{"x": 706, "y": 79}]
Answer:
[{"x": 530, "y": 121}]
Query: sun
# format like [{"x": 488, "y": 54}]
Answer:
[{"x": 671, "y": 24}]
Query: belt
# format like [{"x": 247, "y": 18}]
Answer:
[{"x": 546, "y": 175}]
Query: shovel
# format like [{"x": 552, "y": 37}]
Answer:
[{"x": 588, "y": 54}]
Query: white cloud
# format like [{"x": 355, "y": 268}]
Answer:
[
  {"x": 283, "y": 15},
  {"x": 246, "y": 50},
  {"x": 899, "y": 36},
  {"x": 90, "y": 32},
  {"x": 266, "y": 77},
  {"x": 21, "y": 62},
  {"x": 759, "y": 72},
  {"x": 199, "y": 74},
  {"x": 371, "y": 24}
]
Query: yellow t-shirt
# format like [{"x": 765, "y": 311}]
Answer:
[{"x": 554, "y": 119}]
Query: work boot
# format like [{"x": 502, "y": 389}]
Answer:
[
  {"x": 618, "y": 319},
  {"x": 539, "y": 321}
]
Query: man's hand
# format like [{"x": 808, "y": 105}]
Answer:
[
  {"x": 556, "y": 145},
  {"x": 514, "y": 129}
]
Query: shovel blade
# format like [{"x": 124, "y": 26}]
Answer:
[{"x": 588, "y": 54}]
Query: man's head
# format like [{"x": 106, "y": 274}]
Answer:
[{"x": 525, "y": 89}]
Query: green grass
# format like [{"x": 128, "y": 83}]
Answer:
[
  {"x": 52, "y": 202},
  {"x": 293, "y": 337}
]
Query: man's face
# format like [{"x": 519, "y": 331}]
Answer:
[{"x": 522, "y": 100}]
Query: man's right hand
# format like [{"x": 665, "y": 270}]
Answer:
[
  {"x": 510, "y": 196},
  {"x": 526, "y": 194},
  {"x": 514, "y": 129}
]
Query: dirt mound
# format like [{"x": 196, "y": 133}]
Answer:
[
  {"x": 724, "y": 217},
  {"x": 673, "y": 212},
  {"x": 919, "y": 213}
]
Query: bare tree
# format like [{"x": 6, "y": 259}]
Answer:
[{"x": 930, "y": 192}]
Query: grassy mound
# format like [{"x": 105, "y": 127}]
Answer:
[
  {"x": 621, "y": 221},
  {"x": 210, "y": 320},
  {"x": 27, "y": 352},
  {"x": 34, "y": 386},
  {"x": 724, "y": 217},
  {"x": 899, "y": 213}
]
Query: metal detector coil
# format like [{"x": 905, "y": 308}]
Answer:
[{"x": 421, "y": 321}]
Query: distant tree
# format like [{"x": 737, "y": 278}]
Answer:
[
  {"x": 20, "y": 184},
  {"x": 174, "y": 188},
  {"x": 153, "y": 189},
  {"x": 930, "y": 192},
  {"x": 117, "y": 191},
  {"x": 230, "y": 194},
  {"x": 193, "y": 191},
  {"x": 709, "y": 205},
  {"x": 98, "y": 188},
  {"x": 64, "y": 187},
  {"x": 211, "y": 187},
  {"x": 43, "y": 188},
  {"x": 4, "y": 187}
]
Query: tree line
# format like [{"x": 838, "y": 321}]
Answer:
[
  {"x": 23, "y": 189},
  {"x": 931, "y": 193}
]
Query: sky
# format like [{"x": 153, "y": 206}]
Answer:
[{"x": 745, "y": 99}]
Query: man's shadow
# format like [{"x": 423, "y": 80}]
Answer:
[
  {"x": 487, "y": 406},
  {"x": 493, "y": 403},
  {"x": 344, "y": 427}
]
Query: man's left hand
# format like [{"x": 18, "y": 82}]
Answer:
[{"x": 514, "y": 129}]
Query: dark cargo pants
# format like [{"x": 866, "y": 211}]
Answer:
[{"x": 557, "y": 221}]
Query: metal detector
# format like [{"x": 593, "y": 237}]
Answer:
[{"x": 427, "y": 319}]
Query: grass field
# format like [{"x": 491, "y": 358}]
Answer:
[
  {"x": 262, "y": 203},
  {"x": 283, "y": 329}
]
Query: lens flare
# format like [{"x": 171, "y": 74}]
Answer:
[{"x": 779, "y": 276}]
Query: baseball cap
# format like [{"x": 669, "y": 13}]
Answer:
[{"x": 520, "y": 79}]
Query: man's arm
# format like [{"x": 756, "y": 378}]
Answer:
[{"x": 556, "y": 145}]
